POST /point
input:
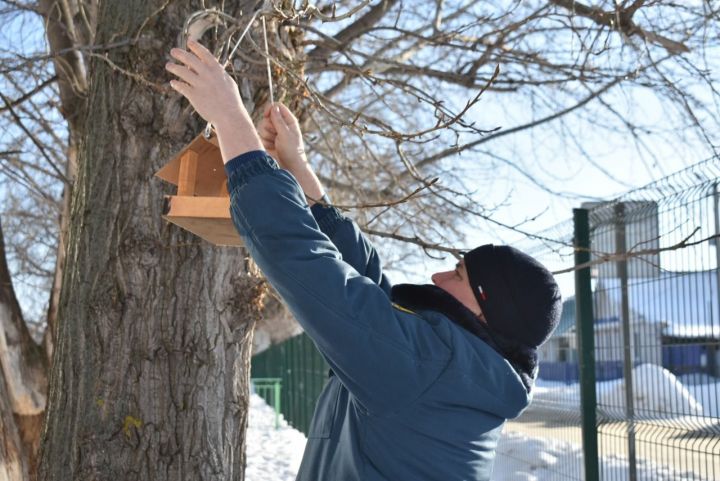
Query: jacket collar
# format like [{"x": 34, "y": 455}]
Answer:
[{"x": 523, "y": 359}]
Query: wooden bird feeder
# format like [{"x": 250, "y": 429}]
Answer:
[{"x": 202, "y": 203}]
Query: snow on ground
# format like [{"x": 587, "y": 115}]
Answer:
[
  {"x": 275, "y": 454},
  {"x": 706, "y": 390},
  {"x": 658, "y": 393},
  {"x": 523, "y": 458},
  {"x": 272, "y": 454}
]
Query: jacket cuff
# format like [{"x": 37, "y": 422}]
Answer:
[
  {"x": 241, "y": 168},
  {"x": 328, "y": 218}
]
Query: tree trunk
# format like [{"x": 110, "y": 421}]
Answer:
[
  {"x": 13, "y": 465},
  {"x": 63, "y": 36},
  {"x": 23, "y": 385},
  {"x": 151, "y": 365}
]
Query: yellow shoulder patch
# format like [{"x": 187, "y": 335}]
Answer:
[{"x": 401, "y": 308}]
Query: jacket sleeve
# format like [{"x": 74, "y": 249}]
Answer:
[
  {"x": 354, "y": 247},
  {"x": 385, "y": 357}
]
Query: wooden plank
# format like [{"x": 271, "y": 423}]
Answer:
[
  {"x": 206, "y": 217},
  {"x": 211, "y": 173},
  {"x": 210, "y": 178},
  {"x": 201, "y": 207},
  {"x": 188, "y": 173},
  {"x": 216, "y": 231}
]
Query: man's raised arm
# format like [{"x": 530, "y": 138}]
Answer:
[
  {"x": 282, "y": 138},
  {"x": 384, "y": 356}
]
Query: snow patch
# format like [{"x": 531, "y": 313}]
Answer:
[
  {"x": 272, "y": 454},
  {"x": 657, "y": 393},
  {"x": 520, "y": 457}
]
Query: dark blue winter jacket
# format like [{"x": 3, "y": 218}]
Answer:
[{"x": 413, "y": 397}]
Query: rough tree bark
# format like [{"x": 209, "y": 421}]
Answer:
[
  {"x": 151, "y": 366},
  {"x": 13, "y": 466},
  {"x": 63, "y": 36},
  {"x": 23, "y": 385}
]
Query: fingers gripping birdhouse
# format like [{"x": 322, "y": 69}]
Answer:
[{"x": 202, "y": 202}]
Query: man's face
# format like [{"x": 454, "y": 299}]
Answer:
[{"x": 456, "y": 283}]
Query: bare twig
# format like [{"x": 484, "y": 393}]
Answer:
[{"x": 604, "y": 258}]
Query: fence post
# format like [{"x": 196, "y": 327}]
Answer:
[
  {"x": 276, "y": 401},
  {"x": 586, "y": 344},
  {"x": 713, "y": 359},
  {"x": 628, "y": 350}
]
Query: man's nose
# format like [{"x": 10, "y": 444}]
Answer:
[{"x": 439, "y": 276}]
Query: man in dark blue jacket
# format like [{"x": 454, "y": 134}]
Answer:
[{"x": 424, "y": 377}]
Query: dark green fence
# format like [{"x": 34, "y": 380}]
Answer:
[{"x": 302, "y": 371}]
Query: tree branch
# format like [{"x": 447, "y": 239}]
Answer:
[
  {"x": 351, "y": 32},
  {"x": 638, "y": 253},
  {"x": 621, "y": 20}
]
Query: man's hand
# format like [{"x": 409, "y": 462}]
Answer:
[
  {"x": 215, "y": 96},
  {"x": 280, "y": 133},
  {"x": 268, "y": 134}
]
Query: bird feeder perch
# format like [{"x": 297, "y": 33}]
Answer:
[{"x": 202, "y": 203}]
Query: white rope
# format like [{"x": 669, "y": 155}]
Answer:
[
  {"x": 242, "y": 36},
  {"x": 267, "y": 62}
]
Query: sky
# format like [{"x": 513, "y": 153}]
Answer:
[
  {"x": 550, "y": 177},
  {"x": 538, "y": 177},
  {"x": 561, "y": 180}
]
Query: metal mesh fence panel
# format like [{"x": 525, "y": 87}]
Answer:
[
  {"x": 654, "y": 255},
  {"x": 657, "y": 329},
  {"x": 303, "y": 373}
]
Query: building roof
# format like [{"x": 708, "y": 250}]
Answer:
[
  {"x": 567, "y": 318},
  {"x": 687, "y": 304}
]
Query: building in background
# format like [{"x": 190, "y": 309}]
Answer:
[{"x": 674, "y": 317}]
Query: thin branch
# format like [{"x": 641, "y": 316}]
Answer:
[
  {"x": 621, "y": 20},
  {"x": 415, "y": 240},
  {"x": 351, "y": 32},
  {"x": 391, "y": 203},
  {"x": 638, "y": 253},
  {"x": 34, "y": 140},
  {"x": 27, "y": 95},
  {"x": 502, "y": 133},
  {"x": 161, "y": 88}
]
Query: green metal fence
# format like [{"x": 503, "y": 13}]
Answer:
[
  {"x": 631, "y": 389},
  {"x": 302, "y": 373},
  {"x": 629, "y": 384},
  {"x": 270, "y": 389}
]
